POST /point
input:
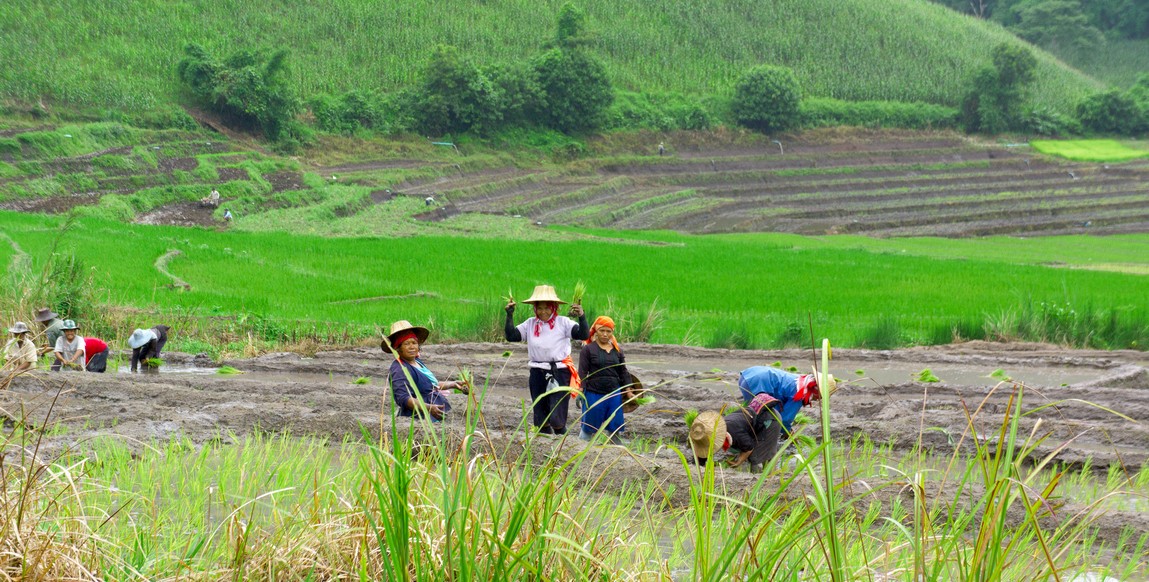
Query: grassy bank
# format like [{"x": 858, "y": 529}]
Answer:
[{"x": 721, "y": 291}]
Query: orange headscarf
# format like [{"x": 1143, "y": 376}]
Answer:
[{"x": 604, "y": 321}]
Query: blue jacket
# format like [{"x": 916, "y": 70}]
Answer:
[
  {"x": 778, "y": 384},
  {"x": 401, "y": 388}
]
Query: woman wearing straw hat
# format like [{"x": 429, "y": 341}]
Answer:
[
  {"x": 51, "y": 324},
  {"x": 708, "y": 436},
  {"x": 147, "y": 344},
  {"x": 602, "y": 369},
  {"x": 413, "y": 386},
  {"x": 70, "y": 348},
  {"x": 19, "y": 353},
  {"x": 548, "y": 336}
]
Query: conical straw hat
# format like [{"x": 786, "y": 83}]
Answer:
[
  {"x": 707, "y": 429},
  {"x": 543, "y": 294}
]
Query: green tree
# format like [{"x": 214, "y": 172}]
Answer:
[
  {"x": 997, "y": 94},
  {"x": 250, "y": 87},
  {"x": 766, "y": 98},
  {"x": 1056, "y": 23},
  {"x": 1111, "y": 112},
  {"x": 576, "y": 89},
  {"x": 571, "y": 27},
  {"x": 455, "y": 96}
]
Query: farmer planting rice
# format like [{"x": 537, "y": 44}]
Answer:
[
  {"x": 52, "y": 330},
  {"x": 147, "y": 344},
  {"x": 602, "y": 368},
  {"x": 413, "y": 386},
  {"x": 788, "y": 393},
  {"x": 69, "y": 348},
  {"x": 19, "y": 353},
  {"x": 548, "y": 336},
  {"x": 95, "y": 354}
]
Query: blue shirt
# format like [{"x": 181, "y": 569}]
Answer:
[
  {"x": 777, "y": 383},
  {"x": 401, "y": 388}
]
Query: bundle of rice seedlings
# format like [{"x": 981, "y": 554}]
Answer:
[
  {"x": 579, "y": 292},
  {"x": 227, "y": 371},
  {"x": 466, "y": 376},
  {"x": 361, "y": 380},
  {"x": 690, "y": 416},
  {"x": 153, "y": 362},
  {"x": 646, "y": 400}
]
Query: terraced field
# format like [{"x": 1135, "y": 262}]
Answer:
[
  {"x": 903, "y": 187},
  {"x": 873, "y": 183}
]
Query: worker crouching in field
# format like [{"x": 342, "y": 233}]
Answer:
[
  {"x": 96, "y": 354},
  {"x": 602, "y": 368},
  {"x": 70, "y": 348},
  {"x": 20, "y": 353},
  {"x": 548, "y": 336},
  {"x": 787, "y": 392},
  {"x": 413, "y": 386},
  {"x": 147, "y": 344}
]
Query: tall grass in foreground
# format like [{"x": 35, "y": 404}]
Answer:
[{"x": 460, "y": 501}]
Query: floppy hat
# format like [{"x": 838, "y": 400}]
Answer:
[
  {"x": 19, "y": 327},
  {"x": 707, "y": 429},
  {"x": 45, "y": 314},
  {"x": 139, "y": 338},
  {"x": 397, "y": 328},
  {"x": 69, "y": 325},
  {"x": 636, "y": 391},
  {"x": 544, "y": 294}
]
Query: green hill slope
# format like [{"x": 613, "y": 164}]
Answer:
[{"x": 93, "y": 53}]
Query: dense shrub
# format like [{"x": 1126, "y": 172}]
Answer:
[
  {"x": 517, "y": 95},
  {"x": 576, "y": 89},
  {"x": 347, "y": 113},
  {"x": 767, "y": 98},
  {"x": 455, "y": 96},
  {"x": 1047, "y": 122},
  {"x": 818, "y": 112},
  {"x": 657, "y": 111},
  {"x": 1111, "y": 112},
  {"x": 250, "y": 87},
  {"x": 996, "y": 96}
]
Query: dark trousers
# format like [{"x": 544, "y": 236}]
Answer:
[
  {"x": 99, "y": 362},
  {"x": 550, "y": 410}
]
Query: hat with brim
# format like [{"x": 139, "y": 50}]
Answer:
[
  {"x": 831, "y": 383},
  {"x": 400, "y": 329},
  {"x": 636, "y": 391},
  {"x": 707, "y": 429},
  {"x": 544, "y": 294},
  {"x": 69, "y": 325},
  {"x": 19, "y": 327},
  {"x": 45, "y": 315},
  {"x": 139, "y": 338}
]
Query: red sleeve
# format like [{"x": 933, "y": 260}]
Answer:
[{"x": 93, "y": 346}]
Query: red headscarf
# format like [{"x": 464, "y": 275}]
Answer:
[
  {"x": 603, "y": 321},
  {"x": 807, "y": 389}
]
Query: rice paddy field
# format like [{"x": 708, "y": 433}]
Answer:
[{"x": 77, "y": 53}]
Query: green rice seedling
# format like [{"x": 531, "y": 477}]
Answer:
[
  {"x": 227, "y": 371},
  {"x": 154, "y": 362},
  {"x": 579, "y": 292},
  {"x": 1000, "y": 374},
  {"x": 690, "y": 416},
  {"x": 860, "y": 372},
  {"x": 361, "y": 380},
  {"x": 926, "y": 375}
]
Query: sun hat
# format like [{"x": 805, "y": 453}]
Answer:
[
  {"x": 544, "y": 294},
  {"x": 831, "y": 383},
  {"x": 636, "y": 391},
  {"x": 140, "y": 337},
  {"x": 707, "y": 429},
  {"x": 69, "y": 325},
  {"x": 398, "y": 328},
  {"x": 19, "y": 327},
  {"x": 45, "y": 314}
]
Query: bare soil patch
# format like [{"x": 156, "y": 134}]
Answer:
[{"x": 180, "y": 214}]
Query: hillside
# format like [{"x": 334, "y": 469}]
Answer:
[{"x": 85, "y": 53}]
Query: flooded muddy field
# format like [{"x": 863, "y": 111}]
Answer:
[{"x": 1097, "y": 402}]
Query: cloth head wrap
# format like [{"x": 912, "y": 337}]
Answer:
[
  {"x": 551, "y": 322},
  {"x": 603, "y": 321}
]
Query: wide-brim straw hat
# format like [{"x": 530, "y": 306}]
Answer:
[
  {"x": 138, "y": 338},
  {"x": 69, "y": 325},
  {"x": 45, "y": 314},
  {"x": 421, "y": 333},
  {"x": 707, "y": 429},
  {"x": 19, "y": 327},
  {"x": 544, "y": 294},
  {"x": 636, "y": 391}
]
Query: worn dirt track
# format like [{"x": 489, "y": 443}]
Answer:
[{"x": 285, "y": 392}]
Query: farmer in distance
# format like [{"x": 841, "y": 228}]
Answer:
[
  {"x": 548, "y": 336},
  {"x": 428, "y": 395},
  {"x": 20, "y": 353},
  {"x": 147, "y": 344}
]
